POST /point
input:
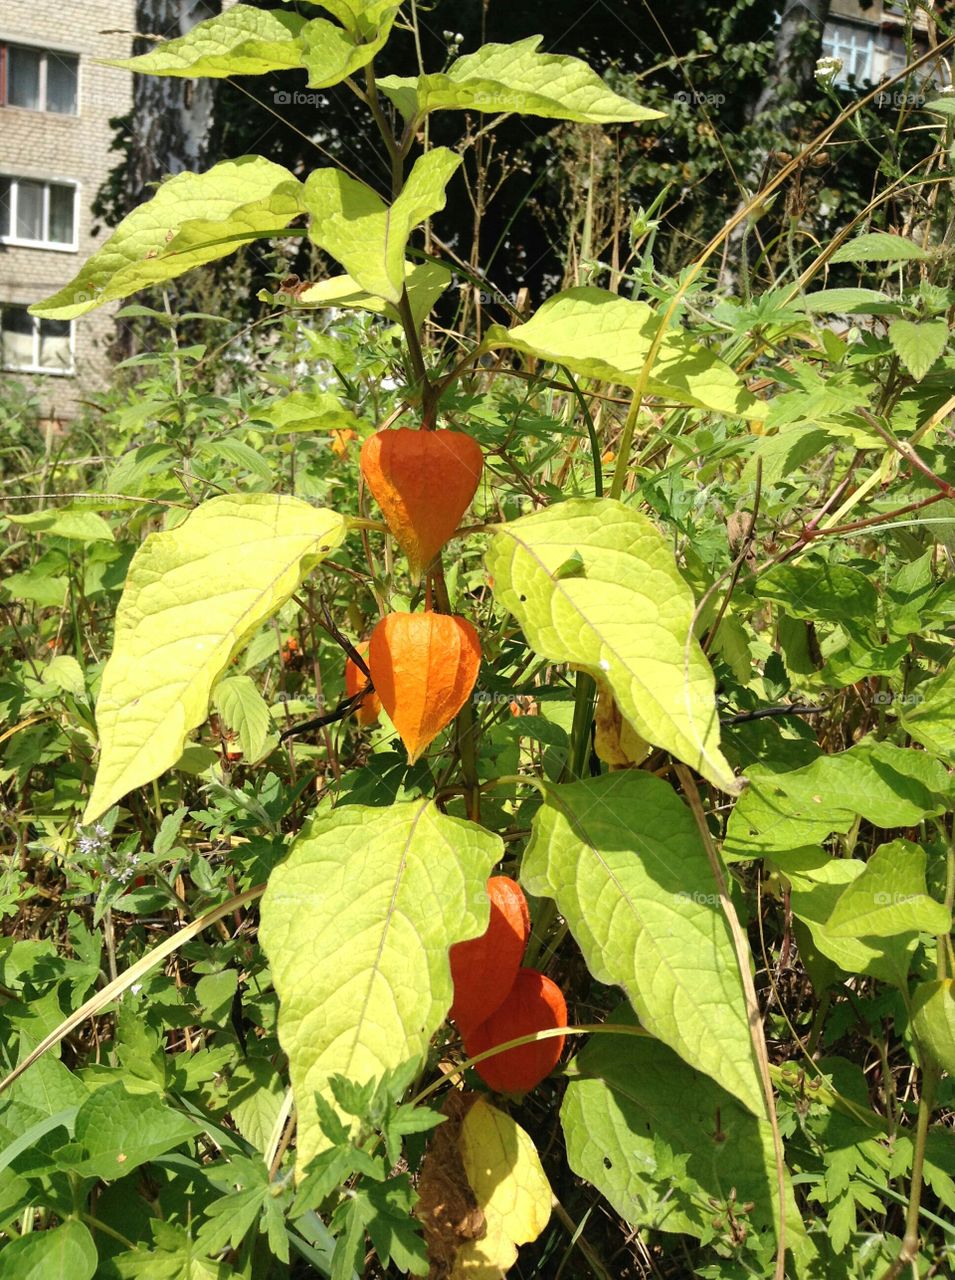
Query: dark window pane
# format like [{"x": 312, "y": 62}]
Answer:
[
  {"x": 61, "y": 84},
  {"x": 6, "y": 208},
  {"x": 16, "y": 338},
  {"x": 55, "y": 344},
  {"x": 29, "y": 210},
  {"x": 23, "y": 72},
  {"x": 61, "y": 214}
]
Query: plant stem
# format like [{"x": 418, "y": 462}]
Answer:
[{"x": 910, "y": 1242}]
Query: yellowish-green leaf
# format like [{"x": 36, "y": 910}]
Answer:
[
  {"x": 621, "y": 856},
  {"x": 245, "y": 711},
  {"x": 243, "y": 41},
  {"x": 889, "y": 897},
  {"x": 930, "y": 719},
  {"x": 356, "y": 924},
  {"x": 361, "y": 17},
  {"x": 515, "y": 77},
  {"x": 626, "y": 618},
  {"x": 601, "y": 335},
  {"x": 364, "y": 234},
  {"x": 331, "y": 53},
  {"x": 307, "y": 411},
  {"x": 193, "y": 218},
  {"x": 933, "y": 1021},
  {"x": 66, "y": 522},
  {"x": 65, "y": 673},
  {"x": 918, "y": 344},
  {"x": 509, "y": 1183},
  {"x": 424, "y": 283},
  {"x": 194, "y": 596}
]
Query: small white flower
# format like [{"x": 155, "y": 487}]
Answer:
[{"x": 827, "y": 69}]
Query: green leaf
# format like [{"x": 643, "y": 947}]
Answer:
[
  {"x": 662, "y": 1166},
  {"x": 64, "y": 522},
  {"x": 626, "y": 618},
  {"x": 847, "y": 301},
  {"x": 194, "y": 596},
  {"x": 515, "y": 77},
  {"x": 888, "y": 786},
  {"x": 193, "y": 218},
  {"x": 930, "y": 719},
  {"x": 621, "y": 856},
  {"x": 174, "y": 1256},
  {"x": 331, "y": 53},
  {"x": 66, "y": 1252},
  {"x": 65, "y": 673},
  {"x": 821, "y": 592},
  {"x": 242, "y": 707},
  {"x": 424, "y": 283},
  {"x": 243, "y": 41},
  {"x": 879, "y": 246},
  {"x": 889, "y": 897},
  {"x": 367, "y": 236},
  {"x": 37, "y": 586},
  {"x": 361, "y": 17},
  {"x": 918, "y": 344},
  {"x": 600, "y": 335},
  {"x": 933, "y": 1021},
  {"x": 356, "y": 924},
  {"x": 117, "y": 1131},
  {"x": 306, "y": 411}
]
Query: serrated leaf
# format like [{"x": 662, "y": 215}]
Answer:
[
  {"x": 627, "y": 619},
  {"x": 515, "y": 77},
  {"x": 64, "y": 522},
  {"x": 918, "y": 344},
  {"x": 661, "y": 1166},
  {"x": 509, "y": 1183},
  {"x": 601, "y": 335},
  {"x": 117, "y": 1131},
  {"x": 424, "y": 284},
  {"x": 888, "y": 786},
  {"x": 356, "y": 924},
  {"x": 243, "y": 41},
  {"x": 846, "y": 301},
  {"x": 365, "y": 235},
  {"x": 244, "y": 710},
  {"x": 889, "y": 898},
  {"x": 255, "y": 1100},
  {"x": 174, "y": 1256},
  {"x": 879, "y": 246},
  {"x": 65, "y": 673},
  {"x": 930, "y": 719},
  {"x": 193, "y": 218},
  {"x": 331, "y": 53},
  {"x": 933, "y": 1020},
  {"x": 194, "y": 596},
  {"x": 820, "y": 591},
  {"x": 306, "y": 411},
  {"x": 621, "y": 856},
  {"x": 64, "y": 1251}
]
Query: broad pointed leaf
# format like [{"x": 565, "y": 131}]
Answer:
[
  {"x": 622, "y": 858},
  {"x": 194, "y": 596},
  {"x": 117, "y": 1131},
  {"x": 930, "y": 719},
  {"x": 193, "y": 218},
  {"x": 306, "y": 411},
  {"x": 245, "y": 711},
  {"x": 879, "y": 246},
  {"x": 664, "y": 1164},
  {"x": 626, "y": 617},
  {"x": 65, "y": 1251},
  {"x": 331, "y": 53},
  {"x": 601, "y": 335},
  {"x": 424, "y": 284},
  {"x": 515, "y": 77},
  {"x": 918, "y": 344},
  {"x": 367, "y": 236},
  {"x": 933, "y": 1020},
  {"x": 889, "y": 898},
  {"x": 243, "y": 41},
  {"x": 356, "y": 924},
  {"x": 65, "y": 522}
]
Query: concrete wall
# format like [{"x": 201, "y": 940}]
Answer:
[{"x": 38, "y": 144}]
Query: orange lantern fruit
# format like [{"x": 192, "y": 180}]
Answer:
[
  {"x": 369, "y": 709},
  {"x": 424, "y": 666},
  {"x": 424, "y": 482},
  {"x": 484, "y": 968},
  {"x": 534, "y": 1003}
]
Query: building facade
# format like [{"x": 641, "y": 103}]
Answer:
[
  {"x": 56, "y": 103},
  {"x": 869, "y": 40}
]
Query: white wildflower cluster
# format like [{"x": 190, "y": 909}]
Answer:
[
  {"x": 827, "y": 69},
  {"x": 92, "y": 841}
]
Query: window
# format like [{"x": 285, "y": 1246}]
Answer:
[
  {"x": 31, "y": 345},
  {"x": 41, "y": 215},
  {"x": 854, "y": 47},
  {"x": 38, "y": 79}
]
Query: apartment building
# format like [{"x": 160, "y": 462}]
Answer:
[
  {"x": 869, "y": 40},
  {"x": 56, "y": 103}
]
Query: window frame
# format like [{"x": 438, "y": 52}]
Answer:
[
  {"x": 34, "y": 367},
  {"x": 45, "y": 54},
  {"x": 857, "y": 37},
  {"x": 22, "y": 242}
]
